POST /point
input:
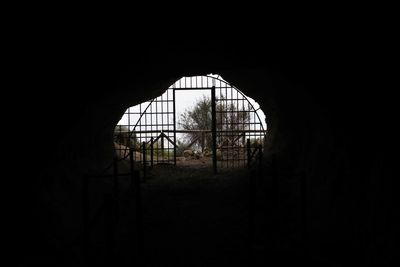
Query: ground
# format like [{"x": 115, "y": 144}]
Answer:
[{"x": 193, "y": 217}]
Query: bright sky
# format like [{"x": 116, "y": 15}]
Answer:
[{"x": 186, "y": 99}]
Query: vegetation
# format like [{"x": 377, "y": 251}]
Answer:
[
  {"x": 229, "y": 117},
  {"x": 123, "y": 136}
]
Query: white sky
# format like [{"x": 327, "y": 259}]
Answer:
[{"x": 186, "y": 99}]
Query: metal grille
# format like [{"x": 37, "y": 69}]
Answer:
[{"x": 151, "y": 127}]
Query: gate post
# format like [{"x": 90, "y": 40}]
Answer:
[
  {"x": 115, "y": 176},
  {"x": 109, "y": 203},
  {"x": 85, "y": 210},
  {"x": 174, "y": 119},
  {"x": 144, "y": 160},
  {"x": 139, "y": 221},
  {"x": 214, "y": 128},
  {"x": 304, "y": 208},
  {"x": 132, "y": 168},
  {"x": 151, "y": 151},
  {"x": 248, "y": 153},
  {"x": 162, "y": 146},
  {"x": 260, "y": 159},
  {"x": 116, "y": 189}
]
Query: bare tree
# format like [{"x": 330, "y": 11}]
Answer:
[{"x": 229, "y": 118}]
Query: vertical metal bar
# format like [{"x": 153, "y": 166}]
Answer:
[
  {"x": 202, "y": 142},
  {"x": 151, "y": 151},
  {"x": 248, "y": 153},
  {"x": 233, "y": 125},
  {"x": 221, "y": 122},
  {"x": 167, "y": 125},
  {"x": 85, "y": 216},
  {"x": 214, "y": 128},
  {"x": 174, "y": 118},
  {"x": 226, "y": 126},
  {"x": 274, "y": 200},
  {"x": 115, "y": 176},
  {"x": 132, "y": 168},
  {"x": 157, "y": 129},
  {"x": 116, "y": 189},
  {"x": 109, "y": 227},
  {"x": 135, "y": 183},
  {"x": 129, "y": 128},
  {"x": 244, "y": 127},
  {"x": 151, "y": 128},
  {"x": 140, "y": 126},
  {"x": 238, "y": 126},
  {"x": 162, "y": 146},
  {"x": 260, "y": 166},
  {"x": 304, "y": 210},
  {"x": 260, "y": 158},
  {"x": 144, "y": 160},
  {"x": 251, "y": 214},
  {"x": 162, "y": 128},
  {"x": 138, "y": 213}
]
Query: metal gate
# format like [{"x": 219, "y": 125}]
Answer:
[{"x": 234, "y": 130}]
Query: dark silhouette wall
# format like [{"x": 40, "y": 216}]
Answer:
[{"x": 325, "y": 117}]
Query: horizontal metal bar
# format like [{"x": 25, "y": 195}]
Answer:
[
  {"x": 204, "y": 88},
  {"x": 193, "y": 88},
  {"x": 198, "y": 131},
  {"x": 239, "y": 123},
  {"x": 154, "y": 125},
  {"x": 149, "y": 113},
  {"x": 235, "y": 111},
  {"x": 108, "y": 175},
  {"x": 230, "y": 99}
]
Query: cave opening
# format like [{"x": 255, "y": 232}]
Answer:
[{"x": 167, "y": 197}]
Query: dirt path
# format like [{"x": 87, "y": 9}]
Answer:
[{"x": 195, "y": 218}]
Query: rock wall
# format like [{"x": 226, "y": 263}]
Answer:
[{"x": 319, "y": 118}]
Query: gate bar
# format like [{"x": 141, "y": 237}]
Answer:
[
  {"x": 174, "y": 119},
  {"x": 201, "y": 131},
  {"x": 214, "y": 128},
  {"x": 85, "y": 205},
  {"x": 151, "y": 151},
  {"x": 144, "y": 161},
  {"x": 116, "y": 189},
  {"x": 248, "y": 153}
]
